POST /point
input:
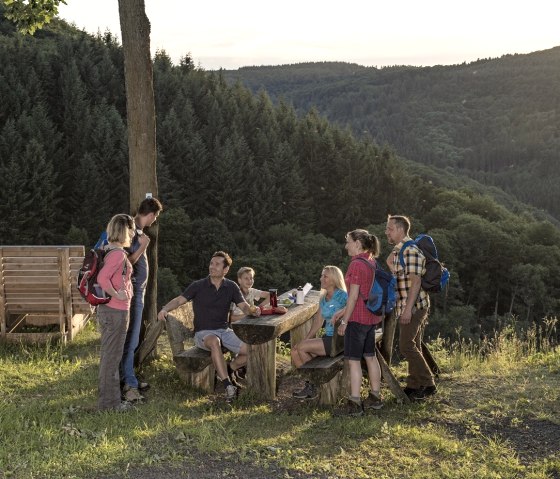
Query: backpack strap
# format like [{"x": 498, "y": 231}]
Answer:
[
  {"x": 373, "y": 267},
  {"x": 401, "y": 251},
  {"x": 123, "y": 273}
]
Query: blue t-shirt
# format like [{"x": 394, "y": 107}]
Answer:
[{"x": 328, "y": 308}]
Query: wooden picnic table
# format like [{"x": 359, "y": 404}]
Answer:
[{"x": 260, "y": 335}]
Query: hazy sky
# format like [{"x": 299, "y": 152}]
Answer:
[{"x": 230, "y": 34}]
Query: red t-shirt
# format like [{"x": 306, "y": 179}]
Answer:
[{"x": 361, "y": 274}]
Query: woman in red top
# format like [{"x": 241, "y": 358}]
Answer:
[
  {"x": 112, "y": 318},
  {"x": 358, "y": 324}
]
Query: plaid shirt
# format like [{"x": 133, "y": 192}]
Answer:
[
  {"x": 361, "y": 274},
  {"x": 415, "y": 263}
]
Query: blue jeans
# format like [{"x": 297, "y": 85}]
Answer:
[{"x": 132, "y": 339}]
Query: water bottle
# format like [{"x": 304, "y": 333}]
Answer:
[{"x": 299, "y": 295}]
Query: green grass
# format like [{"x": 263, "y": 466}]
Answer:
[{"x": 489, "y": 408}]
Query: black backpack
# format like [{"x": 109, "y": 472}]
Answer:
[
  {"x": 87, "y": 276},
  {"x": 436, "y": 277}
]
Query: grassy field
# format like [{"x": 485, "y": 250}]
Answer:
[{"x": 497, "y": 415}]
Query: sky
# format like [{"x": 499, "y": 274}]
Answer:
[{"x": 225, "y": 34}]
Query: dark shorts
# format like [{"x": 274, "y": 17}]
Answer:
[
  {"x": 359, "y": 341},
  {"x": 327, "y": 343}
]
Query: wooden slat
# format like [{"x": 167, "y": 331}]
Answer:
[
  {"x": 32, "y": 308},
  {"x": 65, "y": 294},
  {"x": 31, "y": 281},
  {"x": 14, "y": 251},
  {"x": 31, "y": 260},
  {"x": 23, "y": 288},
  {"x": 15, "y": 267},
  {"x": 34, "y": 272}
]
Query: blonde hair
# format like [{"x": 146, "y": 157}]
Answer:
[
  {"x": 117, "y": 228},
  {"x": 243, "y": 270},
  {"x": 337, "y": 276}
]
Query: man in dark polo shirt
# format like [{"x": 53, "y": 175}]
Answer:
[{"x": 212, "y": 298}]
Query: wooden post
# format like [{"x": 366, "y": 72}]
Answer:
[
  {"x": 3, "y": 313},
  {"x": 68, "y": 314},
  {"x": 430, "y": 360},
  {"x": 298, "y": 333},
  {"x": 61, "y": 298},
  {"x": 386, "y": 348},
  {"x": 261, "y": 369},
  {"x": 390, "y": 379}
]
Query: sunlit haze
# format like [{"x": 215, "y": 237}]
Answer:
[{"x": 229, "y": 35}]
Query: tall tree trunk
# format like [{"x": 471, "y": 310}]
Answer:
[{"x": 141, "y": 121}]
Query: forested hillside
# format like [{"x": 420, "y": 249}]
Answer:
[
  {"x": 276, "y": 189},
  {"x": 495, "y": 120}
]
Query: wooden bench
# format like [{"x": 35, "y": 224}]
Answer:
[
  {"x": 331, "y": 375},
  {"x": 194, "y": 365},
  {"x": 38, "y": 293}
]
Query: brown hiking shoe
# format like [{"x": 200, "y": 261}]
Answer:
[
  {"x": 349, "y": 408},
  {"x": 372, "y": 402}
]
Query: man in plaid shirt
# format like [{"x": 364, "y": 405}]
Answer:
[{"x": 413, "y": 304}]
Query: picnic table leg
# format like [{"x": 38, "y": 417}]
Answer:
[
  {"x": 298, "y": 334},
  {"x": 261, "y": 369}
]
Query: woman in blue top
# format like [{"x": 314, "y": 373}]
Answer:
[{"x": 333, "y": 298}]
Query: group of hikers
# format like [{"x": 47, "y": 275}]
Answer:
[{"x": 217, "y": 301}]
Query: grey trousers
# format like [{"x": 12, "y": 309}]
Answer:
[{"x": 112, "y": 324}]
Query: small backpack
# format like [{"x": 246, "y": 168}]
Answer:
[
  {"x": 436, "y": 277},
  {"x": 382, "y": 294},
  {"x": 87, "y": 276}
]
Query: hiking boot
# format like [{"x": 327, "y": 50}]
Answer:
[
  {"x": 411, "y": 391},
  {"x": 132, "y": 394},
  {"x": 372, "y": 402},
  {"x": 422, "y": 393},
  {"x": 231, "y": 393},
  {"x": 309, "y": 391},
  {"x": 349, "y": 408}
]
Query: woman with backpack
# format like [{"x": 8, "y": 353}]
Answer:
[
  {"x": 358, "y": 324},
  {"x": 112, "y": 317}
]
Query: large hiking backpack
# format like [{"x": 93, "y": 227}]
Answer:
[
  {"x": 87, "y": 276},
  {"x": 382, "y": 295},
  {"x": 436, "y": 277}
]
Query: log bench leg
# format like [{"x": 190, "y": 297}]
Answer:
[
  {"x": 390, "y": 379},
  {"x": 261, "y": 369},
  {"x": 204, "y": 380},
  {"x": 331, "y": 392}
]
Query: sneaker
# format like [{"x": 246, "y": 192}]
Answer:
[
  {"x": 233, "y": 377},
  {"x": 123, "y": 407},
  {"x": 231, "y": 393},
  {"x": 132, "y": 394},
  {"x": 309, "y": 391},
  {"x": 350, "y": 408},
  {"x": 372, "y": 402},
  {"x": 143, "y": 386}
]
